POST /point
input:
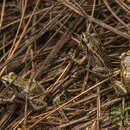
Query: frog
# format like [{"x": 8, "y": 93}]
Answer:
[
  {"x": 122, "y": 86},
  {"x": 22, "y": 84},
  {"x": 100, "y": 58}
]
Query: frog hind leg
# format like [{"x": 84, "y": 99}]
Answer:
[
  {"x": 7, "y": 100},
  {"x": 99, "y": 69},
  {"x": 38, "y": 104},
  {"x": 119, "y": 87}
]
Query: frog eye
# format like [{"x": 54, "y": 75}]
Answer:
[
  {"x": 128, "y": 52},
  {"x": 11, "y": 74},
  {"x": 122, "y": 55}
]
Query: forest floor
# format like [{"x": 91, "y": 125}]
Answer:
[{"x": 65, "y": 64}]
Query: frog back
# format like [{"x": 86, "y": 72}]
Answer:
[
  {"x": 96, "y": 45},
  {"x": 125, "y": 71}
]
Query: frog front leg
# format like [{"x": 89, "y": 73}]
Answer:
[
  {"x": 36, "y": 103},
  {"x": 120, "y": 89}
]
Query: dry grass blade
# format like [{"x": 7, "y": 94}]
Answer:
[
  {"x": 106, "y": 3},
  {"x": 2, "y": 13}
]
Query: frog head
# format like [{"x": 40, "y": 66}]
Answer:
[
  {"x": 9, "y": 77},
  {"x": 92, "y": 40}
]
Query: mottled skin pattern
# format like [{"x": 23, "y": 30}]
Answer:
[
  {"x": 101, "y": 59},
  {"x": 123, "y": 86},
  {"x": 22, "y": 84}
]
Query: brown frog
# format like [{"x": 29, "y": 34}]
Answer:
[{"x": 99, "y": 56}]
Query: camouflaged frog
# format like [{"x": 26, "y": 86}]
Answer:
[
  {"x": 99, "y": 56},
  {"x": 123, "y": 86},
  {"x": 22, "y": 84}
]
